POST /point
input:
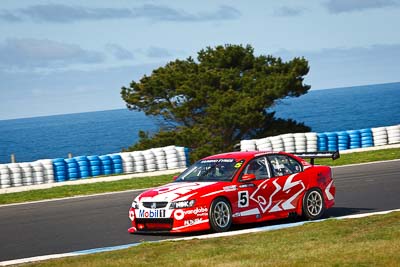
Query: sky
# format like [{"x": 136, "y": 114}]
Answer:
[{"x": 60, "y": 57}]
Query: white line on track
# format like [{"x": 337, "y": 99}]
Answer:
[{"x": 207, "y": 236}]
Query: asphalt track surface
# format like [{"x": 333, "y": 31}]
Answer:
[{"x": 100, "y": 221}]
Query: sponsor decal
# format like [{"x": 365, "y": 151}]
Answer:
[
  {"x": 192, "y": 222},
  {"x": 132, "y": 215},
  {"x": 217, "y": 160},
  {"x": 179, "y": 215},
  {"x": 243, "y": 199},
  {"x": 151, "y": 214},
  {"x": 327, "y": 191},
  {"x": 246, "y": 185},
  {"x": 198, "y": 211},
  {"x": 265, "y": 189},
  {"x": 229, "y": 188},
  {"x": 239, "y": 164},
  {"x": 202, "y": 211}
]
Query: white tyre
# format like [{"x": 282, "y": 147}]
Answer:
[
  {"x": 13, "y": 165},
  {"x": 3, "y": 167},
  {"x": 16, "y": 175},
  {"x": 38, "y": 168},
  {"x": 5, "y": 176},
  {"x": 172, "y": 165},
  {"x": 174, "y": 159},
  {"x": 4, "y": 171},
  {"x": 394, "y": 140},
  {"x": 393, "y": 135},
  {"x": 129, "y": 170},
  {"x": 128, "y": 164},
  {"x": 139, "y": 169}
]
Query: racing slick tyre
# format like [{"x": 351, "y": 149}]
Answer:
[
  {"x": 313, "y": 204},
  {"x": 220, "y": 215}
]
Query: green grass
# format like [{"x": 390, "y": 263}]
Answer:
[
  {"x": 146, "y": 182},
  {"x": 362, "y": 157},
  {"x": 370, "y": 241},
  {"x": 85, "y": 189}
]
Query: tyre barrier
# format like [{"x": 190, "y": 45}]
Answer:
[
  {"x": 95, "y": 165},
  {"x": 380, "y": 136},
  {"x": 332, "y": 141},
  {"x": 322, "y": 142},
  {"x": 277, "y": 143},
  {"x": 313, "y": 142},
  {"x": 48, "y": 171},
  {"x": 183, "y": 158},
  {"x": 127, "y": 162},
  {"x": 288, "y": 142},
  {"x": 28, "y": 173},
  {"x": 107, "y": 167},
  {"x": 300, "y": 142},
  {"x": 5, "y": 176},
  {"x": 248, "y": 145},
  {"x": 117, "y": 163},
  {"x": 393, "y": 133},
  {"x": 82, "y": 167},
  {"x": 264, "y": 144},
  {"x": 354, "y": 139},
  {"x": 172, "y": 157},
  {"x": 343, "y": 140},
  {"x": 139, "y": 162},
  {"x": 60, "y": 170},
  {"x": 160, "y": 159},
  {"x": 367, "y": 139},
  {"x": 72, "y": 169}
]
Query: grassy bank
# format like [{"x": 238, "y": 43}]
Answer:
[
  {"x": 370, "y": 241},
  {"x": 85, "y": 189},
  {"x": 362, "y": 157},
  {"x": 146, "y": 182}
]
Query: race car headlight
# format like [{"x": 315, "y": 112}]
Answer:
[
  {"x": 135, "y": 205},
  {"x": 182, "y": 204}
]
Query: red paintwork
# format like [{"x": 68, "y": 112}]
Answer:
[{"x": 267, "y": 199}]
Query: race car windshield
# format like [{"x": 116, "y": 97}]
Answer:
[{"x": 211, "y": 170}]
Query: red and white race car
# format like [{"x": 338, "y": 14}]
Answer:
[{"x": 236, "y": 188}]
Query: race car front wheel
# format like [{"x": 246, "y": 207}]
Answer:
[
  {"x": 313, "y": 204},
  {"x": 220, "y": 215}
]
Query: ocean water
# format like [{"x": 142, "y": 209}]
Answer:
[
  {"x": 347, "y": 108},
  {"x": 103, "y": 132},
  {"x": 91, "y": 133}
]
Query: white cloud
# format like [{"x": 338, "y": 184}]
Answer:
[
  {"x": 341, "y": 67},
  {"x": 33, "y": 53},
  {"x": 59, "y": 13},
  {"x": 288, "y": 11},
  {"x": 342, "y": 6},
  {"x": 119, "y": 52}
]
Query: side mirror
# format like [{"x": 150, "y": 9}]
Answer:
[
  {"x": 175, "y": 177},
  {"x": 248, "y": 177}
]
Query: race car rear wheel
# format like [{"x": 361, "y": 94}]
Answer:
[
  {"x": 220, "y": 215},
  {"x": 313, "y": 204}
]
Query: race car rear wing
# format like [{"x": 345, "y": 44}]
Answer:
[{"x": 318, "y": 155}]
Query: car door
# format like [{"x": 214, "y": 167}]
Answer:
[
  {"x": 286, "y": 176},
  {"x": 253, "y": 195}
]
